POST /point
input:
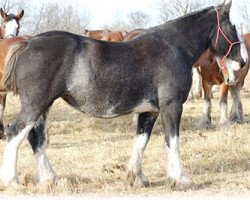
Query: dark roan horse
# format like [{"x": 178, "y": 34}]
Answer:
[{"x": 149, "y": 75}]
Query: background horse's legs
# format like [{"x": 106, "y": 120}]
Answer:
[
  {"x": 223, "y": 105},
  {"x": 205, "y": 121},
  {"x": 197, "y": 83},
  {"x": 15, "y": 136},
  {"x": 236, "y": 113},
  {"x": 171, "y": 115},
  {"x": 145, "y": 124},
  {"x": 2, "y": 107},
  {"x": 37, "y": 138}
]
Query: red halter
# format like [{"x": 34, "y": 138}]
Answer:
[{"x": 226, "y": 38}]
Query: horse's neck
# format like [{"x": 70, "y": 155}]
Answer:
[{"x": 192, "y": 34}]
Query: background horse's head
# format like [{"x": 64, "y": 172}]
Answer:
[
  {"x": 10, "y": 24},
  {"x": 227, "y": 44}
]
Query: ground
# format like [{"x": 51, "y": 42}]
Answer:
[{"x": 90, "y": 155}]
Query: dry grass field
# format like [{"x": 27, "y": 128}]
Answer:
[{"x": 90, "y": 155}]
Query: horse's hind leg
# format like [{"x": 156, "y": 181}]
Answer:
[
  {"x": 2, "y": 107},
  {"x": 145, "y": 124},
  {"x": 236, "y": 113},
  {"x": 37, "y": 138},
  {"x": 15, "y": 136}
]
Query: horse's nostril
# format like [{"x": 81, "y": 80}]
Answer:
[{"x": 227, "y": 81}]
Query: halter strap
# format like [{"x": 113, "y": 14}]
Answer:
[{"x": 219, "y": 30}]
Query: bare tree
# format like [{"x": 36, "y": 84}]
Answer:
[
  {"x": 13, "y": 5},
  {"x": 138, "y": 19},
  {"x": 135, "y": 19},
  {"x": 170, "y": 9},
  {"x": 55, "y": 16},
  {"x": 245, "y": 14}
]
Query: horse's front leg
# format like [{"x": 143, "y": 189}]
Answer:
[
  {"x": 223, "y": 105},
  {"x": 2, "y": 107},
  {"x": 171, "y": 115},
  {"x": 145, "y": 124},
  {"x": 205, "y": 121},
  {"x": 236, "y": 113},
  {"x": 197, "y": 83}
]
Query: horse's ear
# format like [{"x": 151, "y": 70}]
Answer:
[
  {"x": 85, "y": 32},
  {"x": 124, "y": 33},
  {"x": 20, "y": 15},
  {"x": 226, "y": 7},
  {"x": 3, "y": 14}
]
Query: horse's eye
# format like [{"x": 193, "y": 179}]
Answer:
[{"x": 233, "y": 27}]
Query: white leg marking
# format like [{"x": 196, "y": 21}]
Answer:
[
  {"x": 8, "y": 171},
  {"x": 223, "y": 113},
  {"x": 140, "y": 143},
  {"x": 1, "y": 112},
  {"x": 206, "y": 108},
  {"x": 135, "y": 175},
  {"x": 197, "y": 82},
  {"x": 236, "y": 111},
  {"x": 45, "y": 171},
  {"x": 175, "y": 170}
]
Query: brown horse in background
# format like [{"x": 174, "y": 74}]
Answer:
[
  {"x": 8, "y": 18},
  {"x": 8, "y": 30},
  {"x": 107, "y": 35},
  {"x": 212, "y": 75},
  {"x": 133, "y": 34}
]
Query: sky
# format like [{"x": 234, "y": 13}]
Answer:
[{"x": 106, "y": 12}]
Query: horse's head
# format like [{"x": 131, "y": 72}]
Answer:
[
  {"x": 227, "y": 44},
  {"x": 10, "y": 24}
]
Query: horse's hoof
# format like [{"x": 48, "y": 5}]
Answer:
[
  {"x": 2, "y": 136},
  {"x": 8, "y": 181},
  {"x": 197, "y": 95},
  {"x": 181, "y": 185},
  {"x": 224, "y": 123},
  {"x": 236, "y": 119},
  {"x": 52, "y": 180},
  {"x": 138, "y": 181},
  {"x": 204, "y": 124}
]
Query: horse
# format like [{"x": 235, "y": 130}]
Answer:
[
  {"x": 10, "y": 24},
  {"x": 133, "y": 34},
  {"x": 9, "y": 28},
  {"x": 211, "y": 75},
  {"x": 149, "y": 75},
  {"x": 107, "y": 35}
]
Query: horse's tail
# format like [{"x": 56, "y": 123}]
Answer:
[{"x": 8, "y": 81}]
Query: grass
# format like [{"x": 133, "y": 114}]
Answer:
[{"x": 90, "y": 155}]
